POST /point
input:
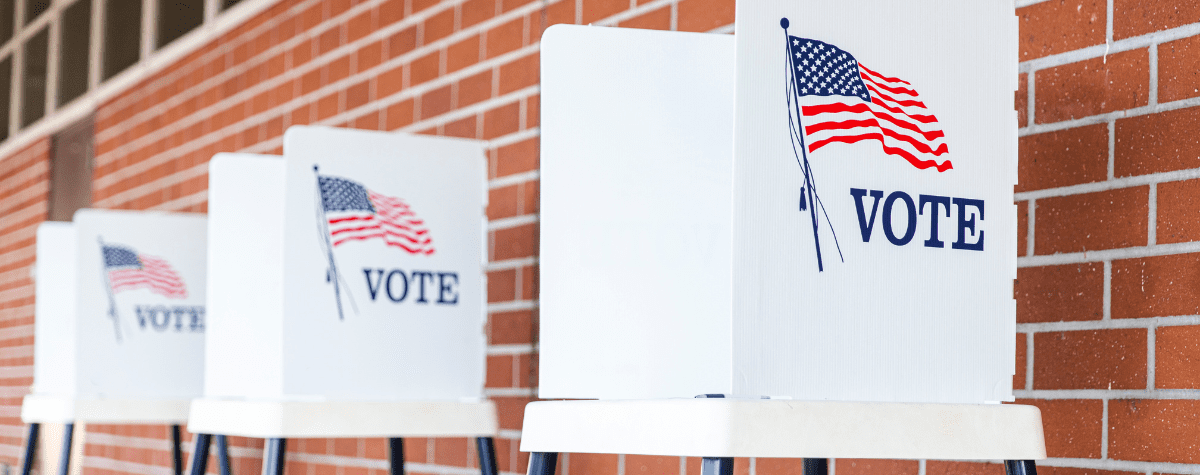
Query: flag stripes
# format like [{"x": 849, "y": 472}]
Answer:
[
  {"x": 842, "y": 101},
  {"x": 356, "y": 213},
  {"x": 128, "y": 270}
]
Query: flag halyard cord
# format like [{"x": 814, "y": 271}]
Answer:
[
  {"x": 331, "y": 274},
  {"x": 112, "y": 300},
  {"x": 808, "y": 193}
]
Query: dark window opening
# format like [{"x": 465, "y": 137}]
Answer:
[
  {"x": 226, "y": 4},
  {"x": 122, "y": 35},
  {"x": 7, "y": 14},
  {"x": 74, "y": 36},
  {"x": 35, "y": 8},
  {"x": 6, "y": 67},
  {"x": 33, "y": 93},
  {"x": 177, "y": 17},
  {"x": 71, "y": 170}
]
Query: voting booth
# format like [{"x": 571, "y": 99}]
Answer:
[
  {"x": 346, "y": 292},
  {"x": 120, "y": 321},
  {"x": 795, "y": 241}
]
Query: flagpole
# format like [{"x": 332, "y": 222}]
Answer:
[
  {"x": 322, "y": 227},
  {"x": 112, "y": 301},
  {"x": 812, "y": 204}
]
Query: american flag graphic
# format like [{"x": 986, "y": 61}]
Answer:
[
  {"x": 129, "y": 270},
  {"x": 843, "y": 101},
  {"x": 357, "y": 213}
]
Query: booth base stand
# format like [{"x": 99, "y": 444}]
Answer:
[
  {"x": 277, "y": 421},
  {"x": 720, "y": 429},
  {"x": 38, "y": 409}
]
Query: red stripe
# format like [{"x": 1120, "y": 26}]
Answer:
[
  {"x": 350, "y": 218},
  {"x": 120, "y": 280},
  {"x": 850, "y": 124},
  {"x": 880, "y": 76},
  {"x": 147, "y": 283},
  {"x": 335, "y": 232},
  {"x": 930, "y": 136},
  {"x": 897, "y": 101},
  {"x": 393, "y": 222},
  {"x": 920, "y": 164},
  {"x": 418, "y": 250},
  {"x": 171, "y": 292},
  {"x": 164, "y": 276},
  {"x": 891, "y": 89},
  {"x": 924, "y": 119},
  {"x": 379, "y": 232},
  {"x": 810, "y": 111}
]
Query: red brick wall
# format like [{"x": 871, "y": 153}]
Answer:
[
  {"x": 1108, "y": 288},
  {"x": 24, "y": 193},
  {"x": 1109, "y": 282}
]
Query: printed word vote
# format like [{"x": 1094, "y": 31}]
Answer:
[
  {"x": 396, "y": 285},
  {"x": 970, "y": 234},
  {"x": 162, "y": 318}
]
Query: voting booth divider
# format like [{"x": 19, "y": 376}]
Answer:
[
  {"x": 813, "y": 255},
  {"x": 346, "y": 294},
  {"x": 120, "y": 327}
]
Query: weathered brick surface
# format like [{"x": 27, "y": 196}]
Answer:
[
  {"x": 1090, "y": 359},
  {"x": 1164, "y": 430},
  {"x": 1158, "y": 143},
  {"x": 1072, "y": 427},
  {"x": 1177, "y": 220},
  {"x": 1063, "y": 158},
  {"x": 1021, "y": 103},
  {"x": 1070, "y": 292},
  {"x": 1138, "y": 17},
  {"x": 877, "y": 466},
  {"x": 1059, "y": 26},
  {"x": 1092, "y": 221},
  {"x": 1021, "y": 363},
  {"x": 1022, "y": 227},
  {"x": 1095, "y": 86},
  {"x": 1177, "y": 357},
  {"x": 651, "y": 465},
  {"x": 1156, "y": 286},
  {"x": 940, "y": 467},
  {"x": 1179, "y": 69}
]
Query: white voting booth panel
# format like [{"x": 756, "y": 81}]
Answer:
[
  {"x": 683, "y": 254},
  {"x": 635, "y": 213},
  {"x": 120, "y": 317},
  {"x": 346, "y": 274}
]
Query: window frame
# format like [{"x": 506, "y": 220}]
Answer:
[{"x": 151, "y": 60}]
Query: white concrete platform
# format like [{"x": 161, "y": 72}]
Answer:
[
  {"x": 54, "y": 409},
  {"x": 285, "y": 419},
  {"x": 784, "y": 428}
]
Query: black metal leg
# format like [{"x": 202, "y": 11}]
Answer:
[
  {"x": 176, "y": 450},
  {"x": 1020, "y": 467},
  {"x": 64, "y": 465},
  {"x": 274, "y": 456},
  {"x": 396, "y": 456},
  {"x": 200, "y": 454},
  {"x": 223, "y": 455},
  {"x": 30, "y": 449},
  {"x": 543, "y": 463},
  {"x": 487, "y": 455},
  {"x": 816, "y": 466},
  {"x": 716, "y": 466}
]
